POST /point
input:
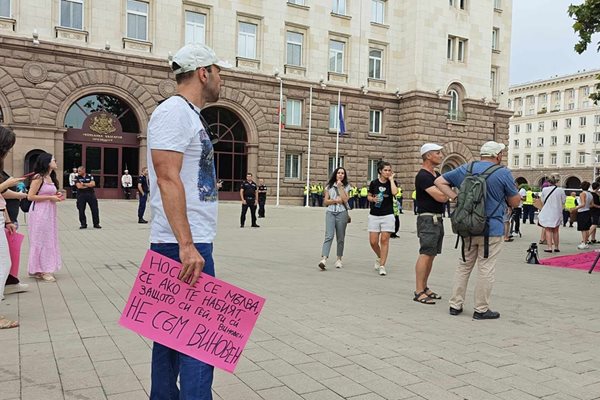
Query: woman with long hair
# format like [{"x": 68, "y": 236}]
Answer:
[
  {"x": 336, "y": 216},
  {"x": 44, "y": 253},
  {"x": 7, "y": 141},
  {"x": 584, "y": 219}
]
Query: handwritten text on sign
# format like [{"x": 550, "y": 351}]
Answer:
[{"x": 210, "y": 322}]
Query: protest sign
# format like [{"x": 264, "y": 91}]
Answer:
[{"x": 211, "y": 321}]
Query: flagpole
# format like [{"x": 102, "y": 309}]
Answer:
[
  {"x": 337, "y": 136},
  {"x": 279, "y": 136},
  {"x": 309, "y": 139}
]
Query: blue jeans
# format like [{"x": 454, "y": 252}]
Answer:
[
  {"x": 142, "y": 205},
  {"x": 195, "y": 377}
]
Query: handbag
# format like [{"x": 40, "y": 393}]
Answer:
[
  {"x": 25, "y": 204},
  {"x": 345, "y": 206},
  {"x": 538, "y": 203}
]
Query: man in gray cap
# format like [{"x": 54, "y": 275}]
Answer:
[
  {"x": 500, "y": 191},
  {"x": 182, "y": 176},
  {"x": 430, "y": 226}
]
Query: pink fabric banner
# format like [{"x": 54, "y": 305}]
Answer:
[
  {"x": 210, "y": 322},
  {"x": 15, "y": 241}
]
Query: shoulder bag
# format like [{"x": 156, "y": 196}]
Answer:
[
  {"x": 538, "y": 203},
  {"x": 345, "y": 205}
]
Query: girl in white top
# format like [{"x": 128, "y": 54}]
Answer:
[
  {"x": 550, "y": 216},
  {"x": 336, "y": 217}
]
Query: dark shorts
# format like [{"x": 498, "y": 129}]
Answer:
[
  {"x": 595, "y": 215},
  {"x": 584, "y": 221},
  {"x": 431, "y": 234}
]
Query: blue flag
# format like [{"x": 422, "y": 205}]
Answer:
[{"x": 341, "y": 120}]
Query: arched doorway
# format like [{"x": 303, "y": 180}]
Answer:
[
  {"x": 452, "y": 162},
  {"x": 30, "y": 159},
  {"x": 573, "y": 182},
  {"x": 101, "y": 135},
  {"x": 231, "y": 153}
]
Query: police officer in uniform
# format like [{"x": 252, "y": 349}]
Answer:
[
  {"x": 248, "y": 196},
  {"x": 85, "y": 195},
  {"x": 262, "y": 198}
]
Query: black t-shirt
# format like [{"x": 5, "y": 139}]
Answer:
[
  {"x": 423, "y": 181},
  {"x": 249, "y": 190},
  {"x": 386, "y": 206},
  {"x": 262, "y": 192},
  {"x": 596, "y": 200}
]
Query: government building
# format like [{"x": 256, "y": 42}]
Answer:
[
  {"x": 80, "y": 79},
  {"x": 555, "y": 129}
]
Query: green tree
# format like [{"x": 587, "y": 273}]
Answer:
[{"x": 587, "y": 23}]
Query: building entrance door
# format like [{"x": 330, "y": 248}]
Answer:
[{"x": 231, "y": 156}]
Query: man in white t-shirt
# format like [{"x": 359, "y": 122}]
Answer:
[
  {"x": 127, "y": 183},
  {"x": 72, "y": 177},
  {"x": 182, "y": 175}
]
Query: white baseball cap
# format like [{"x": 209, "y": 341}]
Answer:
[
  {"x": 492, "y": 149},
  {"x": 427, "y": 147},
  {"x": 193, "y": 56}
]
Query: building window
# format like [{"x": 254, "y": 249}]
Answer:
[
  {"x": 375, "y": 61},
  {"x": 294, "y": 45},
  {"x": 339, "y": 7},
  {"x": 331, "y": 163},
  {"x": 293, "y": 113},
  {"x": 516, "y": 143},
  {"x": 334, "y": 118},
  {"x": 372, "y": 170},
  {"x": 462, "y": 4},
  {"x": 336, "y": 56},
  {"x": 528, "y": 142},
  {"x": 528, "y": 160},
  {"x": 540, "y": 126},
  {"x": 495, "y": 38},
  {"x": 298, "y": 2},
  {"x": 596, "y": 120},
  {"x": 517, "y": 128},
  {"x": 568, "y": 123},
  {"x": 195, "y": 27},
  {"x": 498, "y": 4},
  {"x": 450, "y": 49},
  {"x": 375, "y": 121},
  {"x": 71, "y": 14},
  {"x": 493, "y": 81},
  {"x": 247, "y": 40},
  {"x": 553, "y": 158},
  {"x": 456, "y": 49},
  {"x": 586, "y": 90},
  {"x": 453, "y": 107},
  {"x": 540, "y": 159},
  {"x": 5, "y": 8},
  {"x": 460, "y": 53},
  {"x": 567, "y": 158},
  {"x": 581, "y": 157},
  {"x": 528, "y": 127},
  {"x": 137, "y": 20},
  {"x": 582, "y": 121},
  {"x": 581, "y": 138},
  {"x": 553, "y": 140},
  {"x": 567, "y": 139},
  {"x": 596, "y": 137},
  {"x": 540, "y": 142},
  {"x": 292, "y": 166},
  {"x": 515, "y": 161},
  {"x": 554, "y": 125},
  {"x": 377, "y": 11}
]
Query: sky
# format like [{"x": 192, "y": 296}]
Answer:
[{"x": 543, "y": 41}]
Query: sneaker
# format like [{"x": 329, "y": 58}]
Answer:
[
  {"x": 16, "y": 288},
  {"x": 376, "y": 265},
  {"x": 256, "y": 226},
  {"x": 97, "y": 227},
  {"x": 142, "y": 221},
  {"x": 338, "y": 263},
  {"x": 455, "y": 311},
  {"x": 83, "y": 227},
  {"x": 489, "y": 314},
  {"x": 323, "y": 264},
  {"x": 382, "y": 271},
  {"x": 583, "y": 246}
]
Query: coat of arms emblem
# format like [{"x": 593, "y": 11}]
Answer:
[{"x": 103, "y": 124}]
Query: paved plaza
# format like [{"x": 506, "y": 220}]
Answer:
[{"x": 338, "y": 334}]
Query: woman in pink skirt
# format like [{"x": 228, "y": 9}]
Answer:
[{"x": 44, "y": 254}]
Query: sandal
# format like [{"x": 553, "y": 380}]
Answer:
[
  {"x": 431, "y": 294},
  {"x": 7, "y": 323},
  {"x": 556, "y": 250},
  {"x": 47, "y": 277},
  {"x": 424, "y": 300},
  {"x": 509, "y": 239}
]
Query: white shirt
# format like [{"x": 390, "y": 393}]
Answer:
[
  {"x": 176, "y": 127},
  {"x": 126, "y": 180},
  {"x": 551, "y": 215},
  {"x": 72, "y": 177},
  {"x": 522, "y": 193},
  {"x": 333, "y": 195}
]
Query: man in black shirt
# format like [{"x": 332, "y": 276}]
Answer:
[
  {"x": 248, "y": 196},
  {"x": 85, "y": 195},
  {"x": 430, "y": 226},
  {"x": 262, "y": 198},
  {"x": 382, "y": 194},
  {"x": 143, "y": 191}
]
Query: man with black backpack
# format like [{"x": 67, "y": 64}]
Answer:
[{"x": 485, "y": 189}]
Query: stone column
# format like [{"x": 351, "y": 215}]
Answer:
[
  {"x": 59, "y": 153},
  {"x": 143, "y": 155},
  {"x": 252, "y": 163}
]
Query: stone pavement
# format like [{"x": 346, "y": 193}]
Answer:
[{"x": 338, "y": 334}]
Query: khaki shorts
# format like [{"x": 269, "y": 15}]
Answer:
[{"x": 384, "y": 223}]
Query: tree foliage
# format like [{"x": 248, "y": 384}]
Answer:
[{"x": 587, "y": 23}]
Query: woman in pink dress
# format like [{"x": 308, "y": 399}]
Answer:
[{"x": 44, "y": 254}]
